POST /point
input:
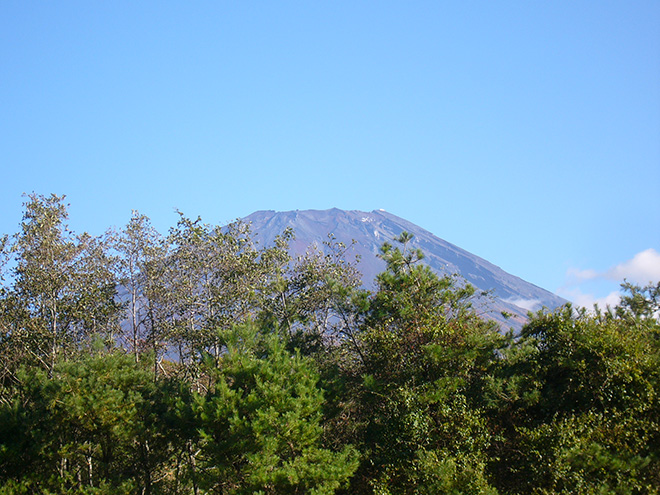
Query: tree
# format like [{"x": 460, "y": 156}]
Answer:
[
  {"x": 220, "y": 278},
  {"x": 260, "y": 423},
  {"x": 640, "y": 303},
  {"x": 576, "y": 404},
  {"x": 63, "y": 290},
  {"x": 98, "y": 424},
  {"x": 141, "y": 273},
  {"x": 423, "y": 357},
  {"x": 311, "y": 297}
]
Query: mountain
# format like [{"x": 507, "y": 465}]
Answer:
[{"x": 370, "y": 230}]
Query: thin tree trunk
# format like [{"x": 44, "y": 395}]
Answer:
[
  {"x": 134, "y": 322},
  {"x": 53, "y": 347}
]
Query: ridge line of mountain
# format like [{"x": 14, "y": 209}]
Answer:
[{"x": 512, "y": 294}]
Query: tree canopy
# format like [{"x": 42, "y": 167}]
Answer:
[{"x": 201, "y": 362}]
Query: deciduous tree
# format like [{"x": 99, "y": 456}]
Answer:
[{"x": 62, "y": 291}]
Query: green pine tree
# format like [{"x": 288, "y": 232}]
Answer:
[{"x": 260, "y": 423}]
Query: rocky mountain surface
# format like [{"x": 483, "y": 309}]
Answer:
[{"x": 370, "y": 230}]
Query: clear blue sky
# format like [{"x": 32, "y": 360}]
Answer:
[{"x": 525, "y": 132}]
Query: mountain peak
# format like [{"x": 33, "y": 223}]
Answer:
[{"x": 367, "y": 231}]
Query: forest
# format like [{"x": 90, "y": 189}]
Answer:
[{"x": 200, "y": 362}]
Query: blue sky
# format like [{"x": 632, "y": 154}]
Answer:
[{"x": 525, "y": 132}]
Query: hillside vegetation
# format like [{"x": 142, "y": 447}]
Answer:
[{"x": 201, "y": 362}]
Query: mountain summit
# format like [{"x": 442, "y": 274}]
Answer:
[{"x": 369, "y": 230}]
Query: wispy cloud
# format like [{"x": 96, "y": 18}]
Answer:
[
  {"x": 643, "y": 268},
  {"x": 528, "y": 304},
  {"x": 589, "y": 300},
  {"x": 575, "y": 275}
]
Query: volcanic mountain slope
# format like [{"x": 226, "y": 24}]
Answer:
[{"x": 370, "y": 230}]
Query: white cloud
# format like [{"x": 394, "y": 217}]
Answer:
[
  {"x": 527, "y": 304},
  {"x": 577, "y": 275},
  {"x": 589, "y": 300},
  {"x": 642, "y": 269}
]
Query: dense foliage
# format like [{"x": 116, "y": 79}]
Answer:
[{"x": 201, "y": 362}]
